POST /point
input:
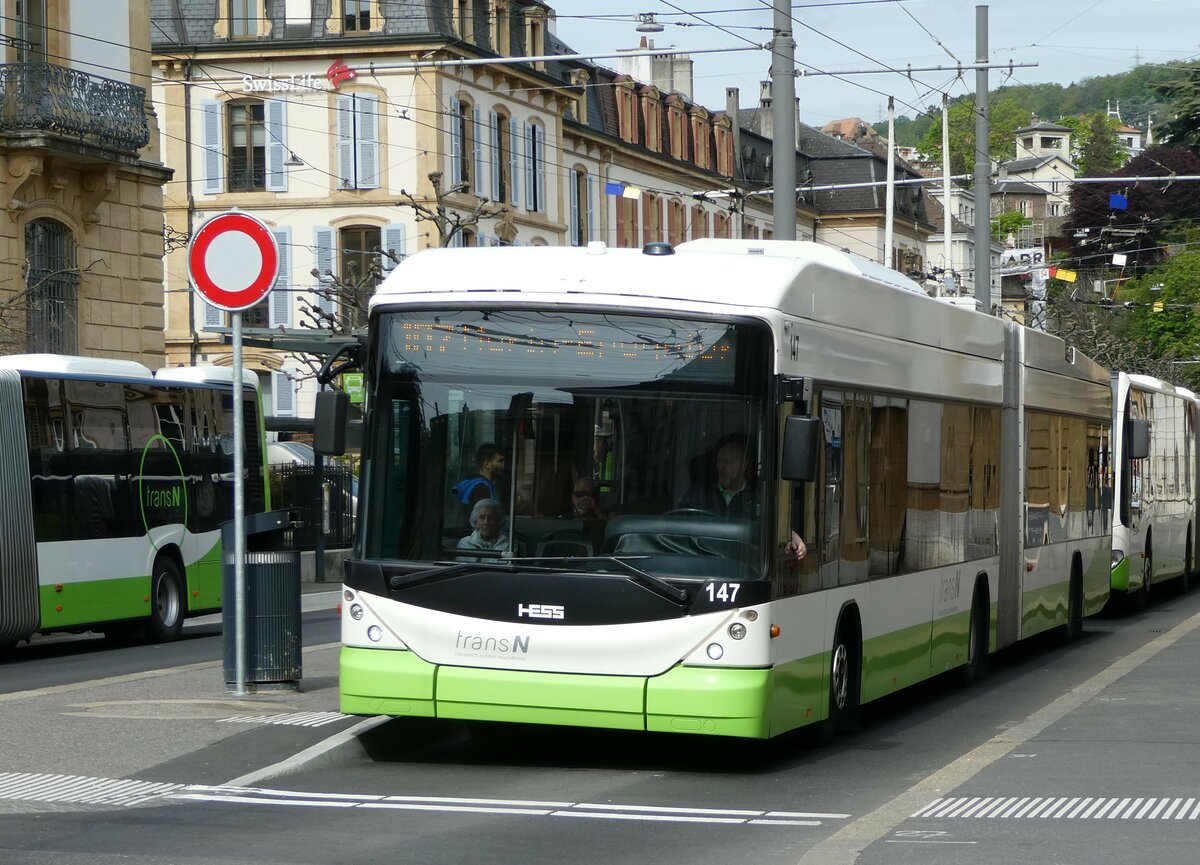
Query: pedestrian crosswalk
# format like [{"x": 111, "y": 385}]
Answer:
[
  {"x": 80, "y": 789},
  {"x": 1064, "y": 808},
  {"x": 290, "y": 719}
]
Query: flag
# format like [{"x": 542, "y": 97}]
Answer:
[
  {"x": 1116, "y": 201},
  {"x": 611, "y": 188},
  {"x": 1157, "y": 306},
  {"x": 1063, "y": 274}
]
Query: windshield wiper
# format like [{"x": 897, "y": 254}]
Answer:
[
  {"x": 655, "y": 584},
  {"x": 444, "y": 569}
]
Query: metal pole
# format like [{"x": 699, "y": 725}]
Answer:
[
  {"x": 889, "y": 217},
  {"x": 983, "y": 201},
  {"x": 239, "y": 507},
  {"x": 318, "y": 507},
  {"x": 947, "y": 218},
  {"x": 783, "y": 123}
]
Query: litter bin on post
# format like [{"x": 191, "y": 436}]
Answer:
[{"x": 272, "y": 603}]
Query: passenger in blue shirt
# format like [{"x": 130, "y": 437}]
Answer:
[{"x": 490, "y": 460}]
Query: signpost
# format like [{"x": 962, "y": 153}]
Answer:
[{"x": 233, "y": 261}]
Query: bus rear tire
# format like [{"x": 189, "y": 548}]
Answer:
[
  {"x": 1073, "y": 629},
  {"x": 977, "y": 640},
  {"x": 168, "y": 604}
]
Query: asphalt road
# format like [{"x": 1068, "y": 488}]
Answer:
[{"x": 1078, "y": 754}]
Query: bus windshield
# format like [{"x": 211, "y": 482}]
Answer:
[{"x": 619, "y": 440}]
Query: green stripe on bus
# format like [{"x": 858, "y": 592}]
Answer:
[{"x": 96, "y": 601}]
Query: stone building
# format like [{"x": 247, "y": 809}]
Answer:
[{"x": 82, "y": 247}]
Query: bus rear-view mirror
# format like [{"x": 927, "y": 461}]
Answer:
[
  {"x": 801, "y": 439},
  {"x": 329, "y": 422},
  {"x": 1139, "y": 439}
]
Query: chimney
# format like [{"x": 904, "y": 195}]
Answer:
[
  {"x": 765, "y": 127},
  {"x": 732, "y": 108}
]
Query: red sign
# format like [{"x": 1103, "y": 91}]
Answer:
[
  {"x": 339, "y": 72},
  {"x": 233, "y": 260}
]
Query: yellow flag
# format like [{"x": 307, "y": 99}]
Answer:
[
  {"x": 1065, "y": 275},
  {"x": 1157, "y": 306}
]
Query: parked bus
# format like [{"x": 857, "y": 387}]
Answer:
[
  {"x": 1154, "y": 453},
  {"x": 116, "y": 482},
  {"x": 721, "y": 400}
]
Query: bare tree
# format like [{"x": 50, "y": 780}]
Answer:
[
  {"x": 16, "y": 308},
  {"x": 449, "y": 221}
]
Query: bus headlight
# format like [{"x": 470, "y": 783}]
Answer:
[
  {"x": 737, "y": 630},
  {"x": 1117, "y": 555},
  {"x": 716, "y": 651},
  {"x": 356, "y": 611},
  {"x": 348, "y": 595},
  {"x": 374, "y": 633}
]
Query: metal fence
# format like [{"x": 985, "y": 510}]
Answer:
[{"x": 294, "y": 487}]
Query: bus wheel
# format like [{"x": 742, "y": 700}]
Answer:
[
  {"x": 1185, "y": 581},
  {"x": 1073, "y": 629},
  {"x": 977, "y": 640},
  {"x": 843, "y": 683},
  {"x": 1142, "y": 596},
  {"x": 167, "y": 604}
]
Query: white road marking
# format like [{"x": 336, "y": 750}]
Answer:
[
  {"x": 289, "y": 719},
  {"x": 518, "y": 807},
  {"x": 81, "y": 789},
  {"x": 1059, "y": 808}
]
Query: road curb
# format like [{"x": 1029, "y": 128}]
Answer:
[{"x": 341, "y": 747}]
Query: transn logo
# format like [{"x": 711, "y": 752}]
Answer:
[{"x": 541, "y": 611}]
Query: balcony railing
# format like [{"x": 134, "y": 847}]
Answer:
[{"x": 44, "y": 97}]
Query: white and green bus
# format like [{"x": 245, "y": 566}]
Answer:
[
  {"x": 1154, "y": 488},
  {"x": 115, "y": 484},
  {"x": 942, "y": 466}
]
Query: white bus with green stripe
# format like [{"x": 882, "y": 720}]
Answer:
[
  {"x": 942, "y": 466},
  {"x": 1154, "y": 487},
  {"x": 115, "y": 483}
]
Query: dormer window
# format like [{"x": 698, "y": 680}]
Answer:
[
  {"x": 723, "y": 141},
  {"x": 535, "y": 35},
  {"x": 501, "y": 35},
  {"x": 676, "y": 127},
  {"x": 701, "y": 135},
  {"x": 626, "y": 110},
  {"x": 652, "y": 116}
]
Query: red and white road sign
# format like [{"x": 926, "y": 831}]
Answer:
[{"x": 233, "y": 260}]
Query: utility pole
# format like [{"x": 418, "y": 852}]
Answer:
[
  {"x": 947, "y": 219},
  {"x": 783, "y": 122},
  {"x": 983, "y": 169},
  {"x": 889, "y": 219}
]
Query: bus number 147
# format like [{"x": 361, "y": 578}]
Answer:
[{"x": 724, "y": 592}]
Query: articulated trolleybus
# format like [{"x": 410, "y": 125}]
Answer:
[
  {"x": 115, "y": 482},
  {"x": 711, "y": 405}
]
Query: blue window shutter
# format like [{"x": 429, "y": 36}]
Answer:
[
  {"x": 323, "y": 243},
  {"x": 214, "y": 156},
  {"x": 277, "y": 147},
  {"x": 539, "y": 165},
  {"x": 345, "y": 142},
  {"x": 367, "y": 108},
  {"x": 281, "y": 294},
  {"x": 393, "y": 239},
  {"x": 530, "y": 201},
  {"x": 591, "y": 208},
  {"x": 573, "y": 225},
  {"x": 494, "y": 136},
  {"x": 514, "y": 162},
  {"x": 479, "y": 187},
  {"x": 456, "y": 142},
  {"x": 283, "y": 389}
]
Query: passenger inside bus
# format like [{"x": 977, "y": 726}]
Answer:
[
  {"x": 723, "y": 488},
  {"x": 487, "y": 522}
]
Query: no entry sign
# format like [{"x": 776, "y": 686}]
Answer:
[{"x": 233, "y": 260}]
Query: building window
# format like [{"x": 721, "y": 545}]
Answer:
[
  {"x": 626, "y": 115},
  {"x": 580, "y": 231},
  {"x": 535, "y": 168},
  {"x": 31, "y": 31},
  {"x": 627, "y": 222},
  {"x": 243, "y": 19},
  {"x": 700, "y": 133},
  {"x": 676, "y": 230},
  {"x": 653, "y": 118},
  {"x": 503, "y": 135},
  {"x": 651, "y": 218},
  {"x": 358, "y": 141},
  {"x": 52, "y": 288},
  {"x": 358, "y": 265},
  {"x": 356, "y": 16},
  {"x": 466, "y": 137},
  {"x": 464, "y": 23},
  {"x": 502, "y": 40},
  {"x": 247, "y": 146}
]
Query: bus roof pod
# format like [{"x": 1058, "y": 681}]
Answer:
[
  {"x": 63, "y": 364},
  {"x": 206, "y": 374}
]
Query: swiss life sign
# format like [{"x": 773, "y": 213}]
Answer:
[{"x": 233, "y": 260}]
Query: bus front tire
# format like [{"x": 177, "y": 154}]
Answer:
[{"x": 167, "y": 601}]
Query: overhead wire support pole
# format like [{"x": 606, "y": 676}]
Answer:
[
  {"x": 783, "y": 121},
  {"x": 983, "y": 170}
]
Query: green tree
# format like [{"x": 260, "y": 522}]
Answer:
[
  {"x": 1095, "y": 148},
  {"x": 1005, "y": 117},
  {"x": 1182, "y": 96},
  {"x": 1008, "y": 222},
  {"x": 1162, "y": 313}
]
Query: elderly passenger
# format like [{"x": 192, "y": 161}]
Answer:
[{"x": 487, "y": 518}]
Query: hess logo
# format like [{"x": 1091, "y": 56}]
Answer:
[
  {"x": 541, "y": 611},
  {"x": 339, "y": 72}
]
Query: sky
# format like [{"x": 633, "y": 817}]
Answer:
[{"x": 1068, "y": 40}]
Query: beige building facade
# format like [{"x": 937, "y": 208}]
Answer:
[{"x": 81, "y": 247}]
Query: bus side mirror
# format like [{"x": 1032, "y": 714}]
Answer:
[
  {"x": 1139, "y": 440},
  {"x": 801, "y": 438},
  {"x": 329, "y": 422}
]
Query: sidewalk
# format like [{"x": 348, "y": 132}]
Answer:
[{"x": 179, "y": 725}]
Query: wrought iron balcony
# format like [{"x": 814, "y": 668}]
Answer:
[{"x": 44, "y": 97}]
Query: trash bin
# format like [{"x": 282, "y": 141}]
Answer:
[{"x": 272, "y": 602}]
